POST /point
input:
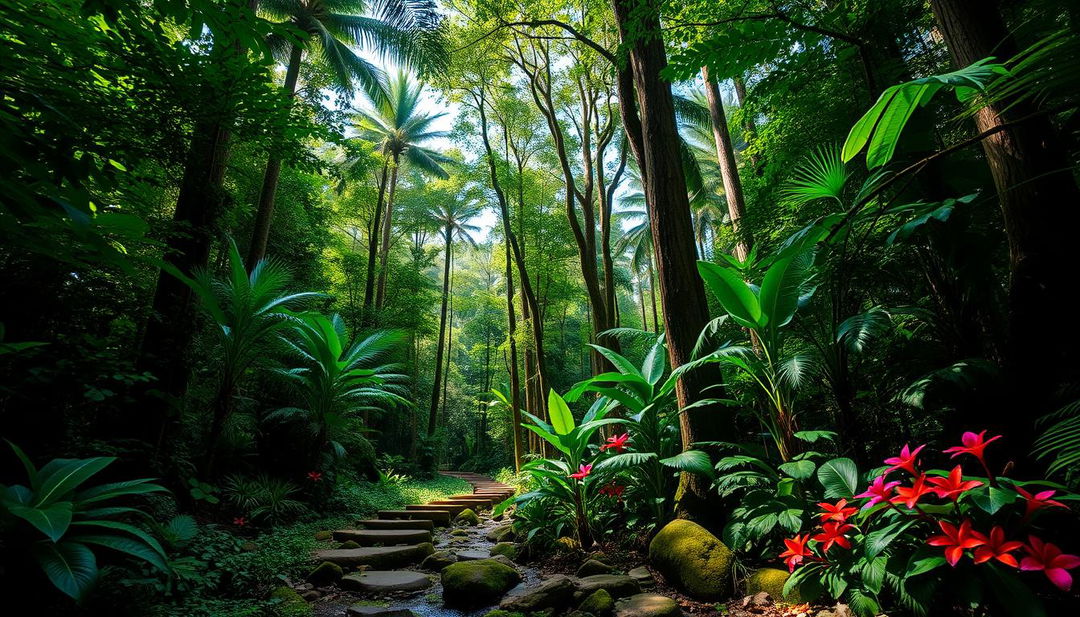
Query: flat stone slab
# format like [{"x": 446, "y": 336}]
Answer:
[
  {"x": 472, "y": 497},
  {"x": 377, "y": 556},
  {"x": 365, "y": 610},
  {"x": 383, "y": 537},
  {"x": 618, "y": 585},
  {"x": 647, "y": 605},
  {"x": 474, "y": 504},
  {"x": 386, "y": 581},
  {"x": 453, "y": 510},
  {"x": 401, "y": 523},
  {"x": 472, "y": 555},
  {"x": 439, "y": 517}
]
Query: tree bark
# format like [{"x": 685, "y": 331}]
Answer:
[
  {"x": 433, "y": 414},
  {"x": 261, "y": 229},
  {"x": 729, "y": 171},
  {"x": 387, "y": 230},
  {"x": 373, "y": 248},
  {"x": 1038, "y": 198},
  {"x": 515, "y": 377},
  {"x": 681, "y": 289}
]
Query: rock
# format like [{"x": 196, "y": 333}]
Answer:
[
  {"x": 507, "y": 549},
  {"x": 438, "y": 560},
  {"x": 350, "y": 544},
  {"x": 310, "y": 595},
  {"x": 326, "y": 573},
  {"x": 323, "y": 536},
  {"x": 459, "y": 532},
  {"x": 385, "y": 557},
  {"x": 502, "y": 533},
  {"x": 473, "y": 555},
  {"x": 383, "y": 581},
  {"x": 647, "y": 605},
  {"x": 555, "y": 592},
  {"x": 840, "y": 610},
  {"x": 504, "y": 560},
  {"x": 289, "y": 602},
  {"x": 594, "y": 566},
  {"x": 366, "y": 610},
  {"x": 771, "y": 580},
  {"x": 642, "y": 575},
  {"x": 304, "y": 587},
  {"x": 692, "y": 559},
  {"x": 467, "y": 517},
  {"x": 617, "y": 585},
  {"x": 598, "y": 603},
  {"x": 477, "y": 583},
  {"x": 578, "y": 613},
  {"x": 567, "y": 543}
]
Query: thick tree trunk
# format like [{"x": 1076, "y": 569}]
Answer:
[
  {"x": 729, "y": 171},
  {"x": 433, "y": 414},
  {"x": 373, "y": 247},
  {"x": 261, "y": 229},
  {"x": 1038, "y": 198},
  {"x": 681, "y": 289},
  {"x": 387, "y": 231},
  {"x": 515, "y": 377}
]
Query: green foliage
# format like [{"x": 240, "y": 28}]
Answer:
[{"x": 263, "y": 498}]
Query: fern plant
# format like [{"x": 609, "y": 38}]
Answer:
[{"x": 61, "y": 522}]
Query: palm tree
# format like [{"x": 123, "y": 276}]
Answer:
[
  {"x": 636, "y": 243},
  {"x": 247, "y": 309},
  {"x": 405, "y": 31},
  {"x": 337, "y": 380},
  {"x": 399, "y": 128},
  {"x": 452, "y": 215}
]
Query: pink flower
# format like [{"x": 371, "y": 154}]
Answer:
[
  {"x": 974, "y": 444},
  {"x": 616, "y": 443},
  {"x": 1049, "y": 558},
  {"x": 583, "y": 471},
  {"x": 956, "y": 540},
  {"x": 1038, "y": 500},
  {"x": 833, "y": 533},
  {"x": 954, "y": 485},
  {"x": 796, "y": 551},
  {"x": 905, "y": 461},
  {"x": 838, "y": 512},
  {"x": 997, "y": 547},
  {"x": 613, "y": 490},
  {"x": 314, "y": 476},
  {"x": 909, "y": 496},
  {"x": 879, "y": 491},
  {"x": 239, "y": 521}
]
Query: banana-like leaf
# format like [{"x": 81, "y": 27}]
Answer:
[
  {"x": 561, "y": 418},
  {"x": 70, "y": 566},
  {"x": 693, "y": 461},
  {"x": 52, "y": 520},
  {"x": 61, "y": 476},
  {"x": 737, "y": 298}
]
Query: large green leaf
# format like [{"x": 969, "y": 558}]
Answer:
[
  {"x": 626, "y": 460},
  {"x": 654, "y": 364},
  {"x": 782, "y": 286},
  {"x": 61, "y": 476},
  {"x": 737, "y": 298},
  {"x": 621, "y": 364},
  {"x": 880, "y": 539},
  {"x": 548, "y": 437},
  {"x": 70, "y": 566},
  {"x": 800, "y": 470},
  {"x": 561, "y": 418},
  {"x": 693, "y": 461},
  {"x": 129, "y": 546},
  {"x": 840, "y": 477},
  {"x": 52, "y": 520}
]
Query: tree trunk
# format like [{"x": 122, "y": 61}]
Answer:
[
  {"x": 387, "y": 230},
  {"x": 515, "y": 377},
  {"x": 261, "y": 229},
  {"x": 681, "y": 289},
  {"x": 373, "y": 247},
  {"x": 729, "y": 171},
  {"x": 652, "y": 297},
  {"x": 437, "y": 382},
  {"x": 1038, "y": 198}
]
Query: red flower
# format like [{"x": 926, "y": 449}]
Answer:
[
  {"x": 838, "y": 512},
  {"x": 879, "y": 491},
  {"x": 833, "y": 533},
  {"x": 909, "y": 495},
  {"x": 906, "y": 460},
  {"x": 796, "y": 550},
  {"x": 953, "y": 486},
  {"x": 956, "y": 540},
  {"x": 1049, "y": 558},
  {"x": 974, "y": 444},
  {"x": 583, "y": 471},
  {"x": 616, "y": 443},
  {"x": 1038, "y": 500},
  {"x": 239, "y": 521},
  {"x": 612, "y": 490},
  {"x": 997, "y": 547},
  {"x": 314, "y": 476}
]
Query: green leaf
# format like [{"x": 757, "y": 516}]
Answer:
[
  {"x": 873, "y": 574},
  {"x": 561, "y": 418},
  {"x": 654, "y": 364},
  {"x": 800, "y": 470},
  {"x": 814, "y": 436},
  {"x": 737, "y": 298},
  {"x": 550, "y": 438},
  {"x": 694, "y": 461},
  {"x": 992, "y": 499},
  {"x": 864, "y": 127},
  {"x": 862, "y": 604},
  {"x": 70, "y": 566},
  {"x": 66, "y": 475},
  {"x": 52, "y": 520},
  {"x": 880, "y": 539},
  {"x": 626, "y": 460},
  {"x": 840, "y": 477},
  {"x": 1013, "y": 593},
  {"x": 128, "y": 546},
  {"x": 924, "y": 560},
  {"x": 782, "y": 286}
]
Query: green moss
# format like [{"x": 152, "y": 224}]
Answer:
[
  {"x": 477, "y": 583},
  {"x": 501, "y": 613},
  {"x": 323, "y": 535},
  {"x": 692, "y": 559},
  {"x": 288, "y": 603},
  {"x": 325, "y": 573},
  {"x": 771, "y": 580},
  {"x": 467, "y": 517},
  {"x": 598, "y": 603},
  {"x": 350, "y": 544},
  {"x": 507, "y": 549}
]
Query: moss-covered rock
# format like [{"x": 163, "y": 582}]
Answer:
[
  {"x": 350, "y": 544},
  {"x": 647, "y": 605},
  {"x": 501, "y": 613},
  {"x": 467, "y": 517},
  {"x": 554, "y": 593},
  {"x": 594, "y": 566},
  {"x": 323, "y": 536},
  {"x": 598, "y": 603},
  {"x": 506, "y": 549},
  {"x": 771, "y": 580},
  {"x": 566, "y": 543},
  {"x": 502, "y": 533},
  {"x": 326, "y": 573},
  {"x": 438, "y": 560},
  {"x": 289, "y": 603},
  {"x": 477, "y": 583},
  {"x": 692, "y": 559},
  {"x": 459, "y": 532}
]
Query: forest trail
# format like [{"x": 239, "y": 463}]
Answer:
[{"x": 394, "y": 555}]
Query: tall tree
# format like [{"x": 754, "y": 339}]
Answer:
[{"x": 729, "y": 171}]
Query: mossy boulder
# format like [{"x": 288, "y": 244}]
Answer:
[
  {"x": 323, "y": 536},
  {"x": 438, "y": 560},
  {"x": 598, "y": 603},
  {"x": 502, "y": 533},
  {"x": 554, "y": 593},
  {"x": 647, "y": 605},
  {"x": 289, "y": 603},
  {"x": 692, "y": 559},
  {"x": 326, "y": 573},
  {"x": 771, "y": 580},
  {"x": 350, "y": 544},
  {"x": 506, "y": 549},
  {"x": 459, "y": 532},
  {"x": 594, "y": 566},
  {"x": 477, "y": 583},
  {"x": 467, "y": 517}
]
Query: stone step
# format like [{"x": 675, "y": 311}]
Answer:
[
  {"x": 385, "y": 581},
  {"x": 402, "y": 523},
  {"x": 423, "y": 507},
  {"x": 438, "y": 517},
  {"x": 473, "y": 504},
  {"x": 475, "y": 496},
  {"x": 383, "y": 537},
  {"x": 377, "y": 556}
]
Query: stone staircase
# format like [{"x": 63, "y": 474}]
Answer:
[{"x": 398, "y": 539}]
